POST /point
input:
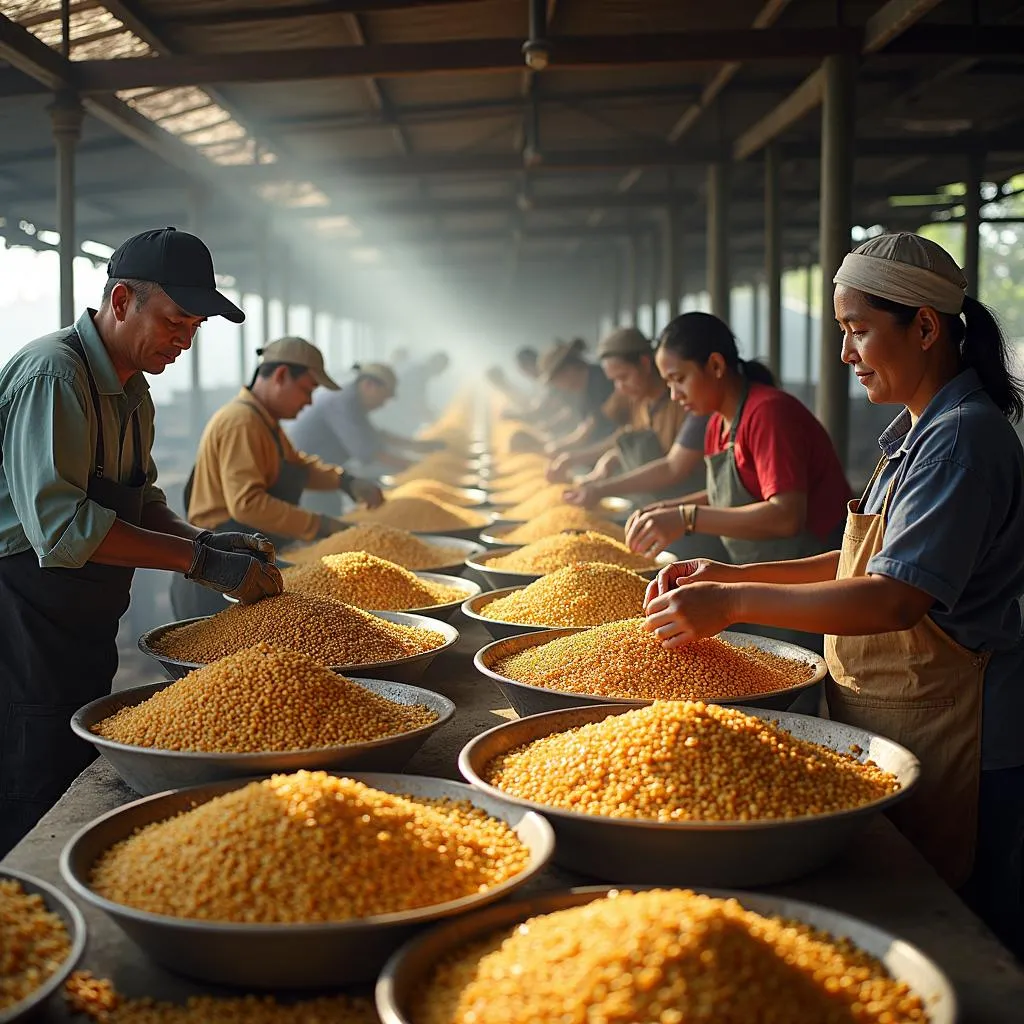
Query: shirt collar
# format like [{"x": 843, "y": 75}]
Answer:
[
  {"x": 101, "y": 366},
  {"x": 900, "y": 434}
]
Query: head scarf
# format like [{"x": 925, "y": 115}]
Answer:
[{"x": 907, "y": 269}]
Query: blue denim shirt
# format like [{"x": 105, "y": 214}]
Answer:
[{"x": 955, "y": 529}]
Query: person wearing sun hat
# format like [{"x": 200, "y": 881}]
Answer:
[
  {"x": 922, "y": 606},
  {"x": 80, "y": 508}
]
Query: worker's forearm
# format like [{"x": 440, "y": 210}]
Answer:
[
  {"x": 655, "y": 476},
  {"x": 816, "y": 569},
  {"x": 762, "y": 520},
  {"x": 137, "y": 548},
  {"x": 157, "y": 517},
  {"x": 849, "y": 607}
]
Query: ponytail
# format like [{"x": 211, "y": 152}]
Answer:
[
  {"x": 697, "y": 336},
  {"x": 757, "y": 373},
  {"x": 984, "y": 349}
]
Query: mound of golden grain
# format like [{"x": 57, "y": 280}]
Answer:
[
  {"x": 424, "y": 515},
  {"x": 393, "y": 545},
  {"x": 33, "y": 943},
  {"x": 551, "y": 553},
  {"x": 559, "y": 520}
]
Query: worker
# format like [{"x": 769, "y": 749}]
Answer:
[
  {"x": 775, "y": 489},
  {"x": 416, "y": 409},
  {"x": 80, "y": 509},
  {"x": 923, "y": 603},
  {"x": 248, "y": 476},
  {"x": 626, "y": 357}
]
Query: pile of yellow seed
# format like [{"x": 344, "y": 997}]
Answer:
[
  {"x": 551, "y": 553},
  {"x": 687, "y": 761},
  {"x": 509, "y": 465},
  {"x": 665, "y": 957},
  {"x": 261, "y": 699},
  {"x": 549, "y": 497},
  {"x": 328, "y": 631},
  {"x": 33, "y": 943},
  {"x": 584, "y": 594},
  {"x": 368, "y": 582},
  {"x": 434, "y": 489},
  {"x": 514, "y": 490},
  {"x": 425, "y": 515},
  {"x": 309, "y": 847},
  {"x": 623, "y": 659},
  {"x": 100, "y": 1001},
  {"x": 560, "y": 519},
  {"x": 398, "y": 546},
  {"x": 447, "y": 467}
]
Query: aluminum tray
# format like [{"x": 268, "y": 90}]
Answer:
[
  {"x": 499, "y": 630},
  {"x": 407, "y": 972},
  {"x": 400, "y": 670},
  {"x": 499, "y": 578},
  {"x": 729, "y": 853},
  {"x": 531, "y": 700},
  {"x": 471, "y": 549},
  {"x": 284, "y": 956},
  {"x": 147, "y": 770},
  {"x": 59, "y": 904}
]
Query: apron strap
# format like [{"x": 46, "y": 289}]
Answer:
[
  {"x": 882, "y": 463},
  {"x": 274, "y": 433},
  {"x": 730, "y": 441},
  {"x": 74, "y": 342}
]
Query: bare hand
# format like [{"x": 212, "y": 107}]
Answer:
[
  {"x": 366, "y": 492},
  {"x": 558, "y": 469},
  {"x": 650, "y": 533},
  {"x": 694, "y": 570},
  {"x": 691, "y": 612},
  {"x": 583, "y": 494}
]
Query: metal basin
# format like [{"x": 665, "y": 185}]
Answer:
[
  {"x": 406, "y": 974},
  {"x": 399, "y": 670},
  {"x": 470, "y": 549},
  {"x": 495, "y": 536},
  {"x": 499, "y": 630},
  {"x": 531, "y": 700},
  {"x": 475, "y": 497},
  {"x": 730, "y": 853},
  {"x": 284, "y": 956},
  {"x": 57, "y": 903},
  {"x": 148, "y": 770},
  {"x": 499, "y": 578}
]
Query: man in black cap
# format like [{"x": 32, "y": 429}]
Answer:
[{"x": 80, "y": 509}]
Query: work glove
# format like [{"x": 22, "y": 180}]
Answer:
[
  {"x": 364, "y": 491},
  {"x": 234, "y": 574},
  {"x": 242, "y": 543},
  {"x": 329, "y": 526}
]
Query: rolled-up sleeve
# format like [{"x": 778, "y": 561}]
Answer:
[
  {"x": 937, "y": 522},
  {"x": 47, "y": 469}
]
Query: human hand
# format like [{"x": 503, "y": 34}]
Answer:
[
  {"x": 583, "y": 494},
  {"x": 691, "y": 612},
  {"x": 243, "y": 543},
  {"x": 694, "y": 570},
  {"x": 651, "y": 532},
  {"x": 329, "y": 526},
  {"x": 366, "y": 492},
  {"x": 241, "y": 576},
  {"x": 558, "y": 469}
]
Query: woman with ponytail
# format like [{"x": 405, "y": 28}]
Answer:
[{"x": 922, "y": 606}]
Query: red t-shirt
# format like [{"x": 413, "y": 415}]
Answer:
[{"x": 780, "y": 448}]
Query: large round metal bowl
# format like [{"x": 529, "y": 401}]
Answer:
[
  {"x": 496, "y": 535},
  {"x": 740, "y": 853},
  {"x": 472, "y": 609},
  {"x": 473, "y": 497},
  {"x": 57, "y": 903},
  {"x": 149, "y": 770},
  {"x": 407, "y": 973},
  {"x": 284, "y": 956},
  {"x": 499, "y": 578},
  {"x": 531, "y": 700},
  {"x": 468, "y": 549},
  {"x": 400, "y": 670}
]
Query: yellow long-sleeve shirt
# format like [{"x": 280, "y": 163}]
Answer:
[{"x": 238, "y": 461}]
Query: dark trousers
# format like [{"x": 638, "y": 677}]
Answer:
[{"x": 995, "y": 890}]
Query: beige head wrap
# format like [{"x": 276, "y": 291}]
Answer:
[{"x": 908, "y": 269}]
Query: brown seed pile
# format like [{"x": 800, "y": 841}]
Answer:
[
  {"x": 261, "y": 699},
  {"x": 448, "y": 467},
  {"x": 33, "y": 943},
  {"x": 398, "y": 546},
  {"x": 584, "y": 594},
  {"x": 368, "y": 582},
  {"x": 623, "y": 659},
  {"x": 665, "y": 957},
  {"x": 538, "y": 501},
  {"x": 434, "y": 489},
  {"x": 687, "y": 761},
  {"x": 551, "y": 553},
  {"x": 560, "y": 519},
  {"x": 100, "y": 1001},
  {"x": 309, "y": 847},
  {"x": 328, "y": 631},
  {"x": 424, "y": 515}
]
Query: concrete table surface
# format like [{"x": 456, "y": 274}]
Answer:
[{"x": 881, "y": 879}]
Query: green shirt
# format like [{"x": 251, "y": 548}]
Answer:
[{"x": 48, "y": 445}]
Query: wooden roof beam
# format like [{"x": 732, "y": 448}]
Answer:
[{"x": 326, "y": 8}]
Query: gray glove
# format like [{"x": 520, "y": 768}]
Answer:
[
  {"x": 242, "y": 543},
  {"x": 328, "y": 526},
  {"x": 237, "y": 575}
]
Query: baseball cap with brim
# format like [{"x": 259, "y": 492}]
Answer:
[
  {"x": 554, "y": 358},
  {"x": 181, "y": 264},
  {"x": 298, "y": 352},
  {"x": 380, "y": 372},
  {"x": 624, "y": 341}
]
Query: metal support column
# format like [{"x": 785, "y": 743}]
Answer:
[
  {"x": 755, "y": 318},
  {"x": 66, "y": 119},
  {"x": 773, "y": 257},
  {"x": 632, "y": 281},
  {"x": 972, "y": 223},
  {"x": 243, "y": 355},
  {"x": 196, "y": 207},
  {"x": 837, "y": 159},
  {"x": 263, "y": 269},
  {"x": 809, "y": 329},
  {"x": 286, "y": 290},
  {"x": 718, "y": 284},
  {"x": 615, "y": 293},
  {"x": 654, "y": 279},
  {"x": 674, "y": 262}
]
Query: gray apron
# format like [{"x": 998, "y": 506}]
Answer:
[
  {"x": 190, "y": 600},
  {"x": 726, "y": 490}
]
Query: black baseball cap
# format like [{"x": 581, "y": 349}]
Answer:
[{"x": 181, "y": 264}]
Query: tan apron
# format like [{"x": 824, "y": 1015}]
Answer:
[{"x": 920, "y": 688}]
